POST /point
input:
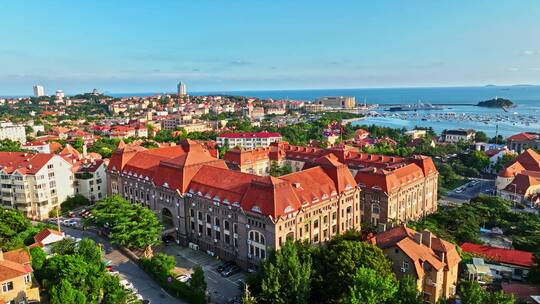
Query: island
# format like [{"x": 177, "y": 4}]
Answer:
[{"x": 496, "y": 103}]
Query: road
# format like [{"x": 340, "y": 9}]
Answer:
[
  {"x": 483, "y": 187},
  {"x": 144, "y": 284}
]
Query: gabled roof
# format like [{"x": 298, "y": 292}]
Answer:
[
  {"x": 24, "y": 163},
  {"x": 46, "y": 232},
  {"x": 440, "y": 254},
  {"x": 501, "y": 255},
  {"x": 15, "y": 263},
  {"x": 524, "y": 136}
]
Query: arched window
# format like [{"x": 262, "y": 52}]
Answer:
[{"x": 375, "y": 209}]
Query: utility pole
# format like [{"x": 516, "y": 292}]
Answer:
[{"x": 58, "y": 220}]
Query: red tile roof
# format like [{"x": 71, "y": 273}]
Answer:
[
  {"x": 524, "y": 136},
  {"x": 15, "y": 263},
  {"x": 25, "y": 163},
  {"x": 501, "y": 255},
  {"x": 404, "y": 238},
  {"x": 43, "y": 234}
]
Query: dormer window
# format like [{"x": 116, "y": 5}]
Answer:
[
  {"x": 288, "y": 209},
  {"x": 256, "y": 209}
]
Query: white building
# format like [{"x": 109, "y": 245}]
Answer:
[
  {"x": 91, "y": 180},
  {"x": 248, "y": 140},
  {"x": 457, "y": 135},
  {"x": 14, "y": 132},
  {"x": 39, "y": 91},
  {"x": 37, "y": 146},
  {"x": 34, "y": 183},
  {"x": 182, "y": 89},
  {"x": 59, "y": 94}
]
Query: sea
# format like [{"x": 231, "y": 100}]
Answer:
[{"x": 459, "y": 103}]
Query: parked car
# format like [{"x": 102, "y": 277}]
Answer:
[
  {"x": 167, "y": 239},
  {"x": 114, "y": 273},
  {"x": 126, "y": 284},
  {"x": 230, "y": 271},
  {"x": 183, "y": 278},
  {"x": 225, "y": 265}
]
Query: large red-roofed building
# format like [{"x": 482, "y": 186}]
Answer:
[
  {"x": 393, "y": 188},
  {"x": 237, "y": 216}
]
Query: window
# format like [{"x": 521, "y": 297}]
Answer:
[
  {"x": 208, "y": 219},
  {"x": 405, "y": 265},
  {"x": 27, "y": 279},
  {"x": 208, "y": 231},
  {"x": 216, "y": 221},
  {"x": 226, "y": 224},
  {"x": 7, "y": 286}
]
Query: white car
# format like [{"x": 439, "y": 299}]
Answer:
[
  {"x": 183, "y": 278},
  {"x": 126, "y": 284}
]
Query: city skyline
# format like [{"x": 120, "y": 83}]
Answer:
[{"x": 239, "y": 46}]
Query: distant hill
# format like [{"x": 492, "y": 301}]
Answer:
[{"x": 496, "y": 103}]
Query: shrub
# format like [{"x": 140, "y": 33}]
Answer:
[{"x": 160, "y": 269}]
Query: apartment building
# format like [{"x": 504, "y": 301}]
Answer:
[
  {"x": 16, "y": 280},
  {"x": 13, "y": 132},
  {"x": 248, "y": 140},
  {"x": 394, "y": 189},
  {"x": 34, "y": 183},
  {"x": 431, "y": 260},
  {"x": 91, "y": 180},
  {"x": 234, "y": 215}
]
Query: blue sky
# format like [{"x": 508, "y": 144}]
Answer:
[{"x": 148, "y": 46}]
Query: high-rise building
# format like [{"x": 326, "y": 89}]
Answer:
[
  {"x": 182, "y": 90},
  {"x": 39, "y": 91}
]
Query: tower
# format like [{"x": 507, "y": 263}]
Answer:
[
  {"x": 182, "y": 90},
  {"x": 39, "y": 91}
]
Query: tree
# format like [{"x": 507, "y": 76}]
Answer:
[
  {"x": 65, "y": 246},
  {"x": 197, "y": 281},
  {"x": 407, "y": 292},
  {"x": 337, "y": 262},
  {"x": 8, "y": 145},
  {"x": 480, "y": 136},
  {"x": 472, "y": 293},
  {"x": 534, "y": 273},
  {"x": 286, "y": 276},
  {"x": 64, "y": 293},
  {"x": 38, "y": 258},
  {"x": 74, "y": 201},
  {"x": 90, "y": 251},
  {"x": 247, "y": 298},
  {"x": 371, "y": 288},
  {"x": 130, "y": 225},
  {"x": 499, "y": 297}
]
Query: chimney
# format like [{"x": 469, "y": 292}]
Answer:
[
  {"x": 418, "y": 237},
  {"x": 426, "y": 238}
]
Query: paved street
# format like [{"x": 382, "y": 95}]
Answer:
[
  {"x": 128, "y": 270},
  {"x": 220, "y": 289},
  {"x": 484, "y": 186}
]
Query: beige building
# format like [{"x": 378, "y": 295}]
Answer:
[
  {"x": 234, "y": 215},
  {"x": 337, "y": 102},
  {"x": 16, "y": 280},
  {"x": 429, "y": 259},
  {"x": 34, "y": 183}
]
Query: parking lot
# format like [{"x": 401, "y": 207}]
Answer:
[{"x": 220, "y": 289}]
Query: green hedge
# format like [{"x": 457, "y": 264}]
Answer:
[{"x": 176, "y": 288}]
